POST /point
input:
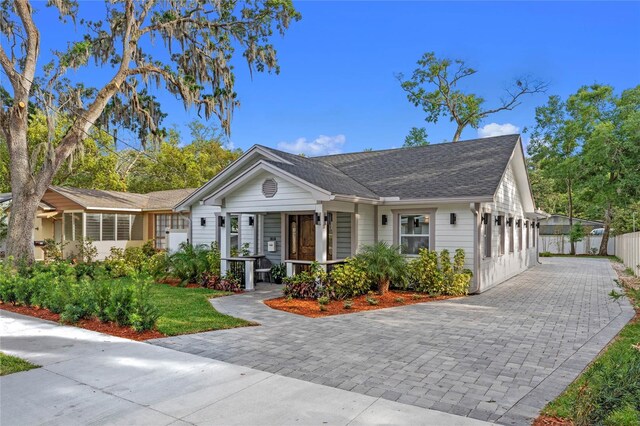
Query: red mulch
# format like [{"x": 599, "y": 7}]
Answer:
[
  {"x": 543, "y": 420},
  {"x": 175, "y": 282},
  {"x": 90, "y": 324},
  {"x": 310, "y": 307}
]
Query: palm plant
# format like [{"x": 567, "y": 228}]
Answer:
[
  {"x": 189, "y": 263},
  {"x": 384, "y": 264}
]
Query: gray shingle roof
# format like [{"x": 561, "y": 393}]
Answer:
[
  {"x": 97, "y": 198},
  {"x": 471, "y": 168}
]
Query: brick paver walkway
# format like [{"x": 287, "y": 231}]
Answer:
[{"x": 499, "y": 356}]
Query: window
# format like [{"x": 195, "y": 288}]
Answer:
[
  {"x": 526, "y": 227},
  {"x": 486, "y": 235},
  {"x": 108, "y": 227},
  {"x": 330, "y": 230},
  {"x": 72, "y": 226},
  {"x": 520, "y": 221},
  {"x": 512, "y": 225},
  {"x": 501, "y": 239},
  {"x": 414, "y": 233},
  {"x": 93, "y": 226},
  {"x": 123, "y": 230},
  {"x": 162, "y": 222},
  {"x": 68, "y": 226},
  {"x": 233, "y": 234}
]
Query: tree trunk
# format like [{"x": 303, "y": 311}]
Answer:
[
  {"x": 570, "y": 193},
  {"x": 605, "y": 235},
  {"x": 21, "y": 221},
  {"x": 456, "y": 136},
  {"x": 383, "y": 286}
]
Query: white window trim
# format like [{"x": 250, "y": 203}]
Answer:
[{"x": 399, "y": 228}]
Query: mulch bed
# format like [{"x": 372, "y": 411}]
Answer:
[
  {"x": 551, "y": 421},
  {"x": 90, "y": 324},
  {"x": 310, "y": 307}
]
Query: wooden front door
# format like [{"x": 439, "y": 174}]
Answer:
[{"x": 302, "y": 237}]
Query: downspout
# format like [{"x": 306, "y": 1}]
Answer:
[{"x": 475, "y": 282}]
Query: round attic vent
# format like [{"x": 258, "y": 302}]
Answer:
[{"x": 269, "y": 188}]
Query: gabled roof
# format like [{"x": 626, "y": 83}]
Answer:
[
  {"x": 470, "y": 169},
  {"x": 101, "y": 199}
]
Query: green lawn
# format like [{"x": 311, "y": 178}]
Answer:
[
  {"x": 608, "y": 391},
  {"x": 11, "y": 364},
  {"x": 187, "y": 310}
]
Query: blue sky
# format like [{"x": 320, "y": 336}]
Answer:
[{"x": 337, "y": 91}]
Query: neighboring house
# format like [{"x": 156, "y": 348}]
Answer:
[
  {"x": 558, "y": 224},
  {"x": 108, "y": 218},
  {"x": 555, "y": 230},
  {"x": 473, "y": 195}
]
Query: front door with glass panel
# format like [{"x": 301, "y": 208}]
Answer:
[{"x": 302, "y": 237}]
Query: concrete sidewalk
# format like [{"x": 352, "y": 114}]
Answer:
[{"x": 88, "y": 377}]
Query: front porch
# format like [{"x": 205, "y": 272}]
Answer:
[{"x": 254, "y": 241}]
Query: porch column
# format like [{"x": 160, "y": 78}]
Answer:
[
  {"x": 321, "y": 238},
  {"x": 225, "y": 242}
]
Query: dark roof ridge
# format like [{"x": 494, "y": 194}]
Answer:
[{"x": 414, "y": 147}]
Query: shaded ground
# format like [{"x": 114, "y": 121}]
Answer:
[{"x": 499, "y": 356}]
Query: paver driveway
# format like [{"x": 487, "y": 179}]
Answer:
[{"x": 498, "y": 356}]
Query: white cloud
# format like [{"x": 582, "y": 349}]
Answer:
[
  {"x": 495, "y": 129},
  {"x": 322, "y": 145}
]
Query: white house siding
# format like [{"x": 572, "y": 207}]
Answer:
[
  {"x": 249, "y": 198},
  {"x": 447, "y": 236},
  {"x": 458, "y": 236},
  {"x": 498, "y": 268},
  {"x": 247, "y": 233},
  {"x": 273, "y": 232},
  {"x": 366, "y": 223},
  {"x": 204, "y": 234},
  {"x": 343, "y": 235}
]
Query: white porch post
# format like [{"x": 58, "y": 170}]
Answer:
[
  {"x": 321, "y": 238},
  {"x": 225, "y": 242},
  {"x": 248, "y": 275}
]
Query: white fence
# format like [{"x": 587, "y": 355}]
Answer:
[
  {"x": 560, "y": 244},
  {"x": 628, "y": 249}
]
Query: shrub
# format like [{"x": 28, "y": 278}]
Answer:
[
  {"x": 101, "y": 297},
  {"x": 545, "y": 254},
  {"x": 56, "y": 287},
  {"x": 158, "y": 265},
  {"x": 372, "y": 300},
  {"x": 278, "y": 272},
  {"x": 148, "y": 249},
  {"x": 117, "y": 265},
  {"x": 323, "y": 300},
  {"x": 52, "y": 250},
  {"x": 384, "y": 264},
  {"x": 437, "y": 278},
  {"x": 87, "y": 252},
  {"x": 347, "y": 304},
  {"x": 399, "y": 300},
  {"x": 229, "y": 283},
  {"x": 120, "y": 304},
  {"x": 350, "y": 279},
  {"x": 144, "y": 313},
  {"x": 189, "y": 263},
  {"x": 424, "y": 272},
  {"x": 309, "y": 284}
]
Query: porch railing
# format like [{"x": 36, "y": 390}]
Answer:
[{"x": 242, "y": 268}]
